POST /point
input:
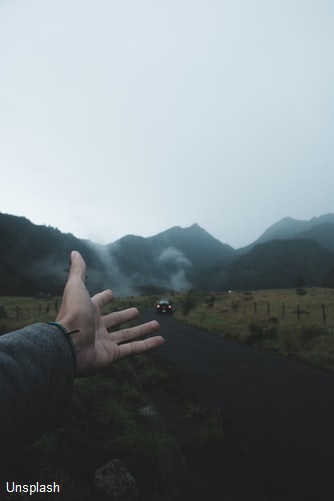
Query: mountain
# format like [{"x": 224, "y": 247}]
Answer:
[
  {"x": 193, "y": 245},
  {"x": 281, "y": 264},
  {"x": 321, "y": 233},
  {"x": 172, "y": 259},
  {"x": 288, "y": 251},
  {"x": 288, "y": 228},
  {"x": 34, "y": 259}
]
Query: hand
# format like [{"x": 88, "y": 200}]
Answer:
[{"x": 96, "y": 347}]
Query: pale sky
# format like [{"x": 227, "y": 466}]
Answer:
[{"x": 129, "y": 117}]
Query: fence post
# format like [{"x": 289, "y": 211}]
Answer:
[
  {"x": 298, "y": 311},
  {"x": 283, "y": 310},
  {"x": 323, "y": 313}
]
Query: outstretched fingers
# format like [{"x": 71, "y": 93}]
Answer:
[
  {"x": 126, "y": 335},
  {"x": 116, "y": 318},
  {"x": 135, "y": 347},
  {"x": 102, "y": 298}
]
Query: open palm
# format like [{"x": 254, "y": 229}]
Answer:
[{"x": 97, "y": 347}]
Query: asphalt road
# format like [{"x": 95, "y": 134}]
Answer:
[{"x": 278, "y": 413}]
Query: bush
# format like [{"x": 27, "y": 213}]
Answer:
[
  {"x": 290, "y": 340},
  {"x": 262, "y": 332},
  {"x": 312, "y": 332},
  {"x": 188, "y": 302},
  {"x": 256, "y": 333}
]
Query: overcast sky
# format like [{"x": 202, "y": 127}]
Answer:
[{"x": 130, "y": 116}]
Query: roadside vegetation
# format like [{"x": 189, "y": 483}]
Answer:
[
  {"x": 113, "y": 417},
  {"x": 16, "y": 312},
  {"x": 297, "y": 323}
]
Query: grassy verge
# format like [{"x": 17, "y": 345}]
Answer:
[
  {"x": 16, "y": 312},
  {"x": 112, "y": 417},
  {"x": 294, "y": 323},
  {"x": 109, "y": 420}
]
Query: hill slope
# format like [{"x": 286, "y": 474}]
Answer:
[
  {"x": 281, "y": 263},
  {"x": 289, "y": 228},
  {"x": 170, "y": 260},
  {"x": 321, "y": 233},
  {"x": 35, "y": 258}
]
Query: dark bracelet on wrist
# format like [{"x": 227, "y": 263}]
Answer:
[{"x": 67, "y": 335}]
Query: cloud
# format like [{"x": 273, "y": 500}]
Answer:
[
  {"x": 112, "y": 278},
  {"x": 179, "y": 282},
  {"x": 171, "y": 255},
  {"x": 166, "y": 271},
  {"x": 176, "y": 264}
]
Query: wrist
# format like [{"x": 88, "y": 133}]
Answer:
[{"x": 68, "y": 336}]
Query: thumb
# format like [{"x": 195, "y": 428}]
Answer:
[{"x": 78, "y": 266}]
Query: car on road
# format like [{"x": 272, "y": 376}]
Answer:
[{"x": 164, "y": 306}]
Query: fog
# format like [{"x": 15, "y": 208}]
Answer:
[{"x": 132, "y": 117}]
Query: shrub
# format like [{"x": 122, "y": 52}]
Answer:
[
  {"x": 290, "y": 340},
  {"x": 188, "y": 302},
  {"x": 312, "y": 332},
  {"x": 256, "y": 333},
  {"x": 266, "y": 331}
]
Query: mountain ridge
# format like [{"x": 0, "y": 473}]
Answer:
[
  {"x": 34, "y": 257},
  {"x": 287, "y": 227}
]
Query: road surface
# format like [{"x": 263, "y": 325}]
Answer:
[{"x": 279, "y": 413}]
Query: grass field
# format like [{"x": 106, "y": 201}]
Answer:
[
  {"x": 108, "y": 419},
  {"x": 16, "y": 312},
  {"x": 295, "y": 323}
]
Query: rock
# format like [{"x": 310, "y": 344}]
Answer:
[
  {"x": 148, "y": 411},
  {"x": 116, "y": 482}
]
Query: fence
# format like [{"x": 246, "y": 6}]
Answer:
[
  {"x": 16, "y": 312},
  {"x": 319, "y": 312}
]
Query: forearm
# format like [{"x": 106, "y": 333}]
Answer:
[{"x": 36, "y": 381}]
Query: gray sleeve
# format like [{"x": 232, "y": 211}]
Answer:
[{"x": 36, "y": 380}]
